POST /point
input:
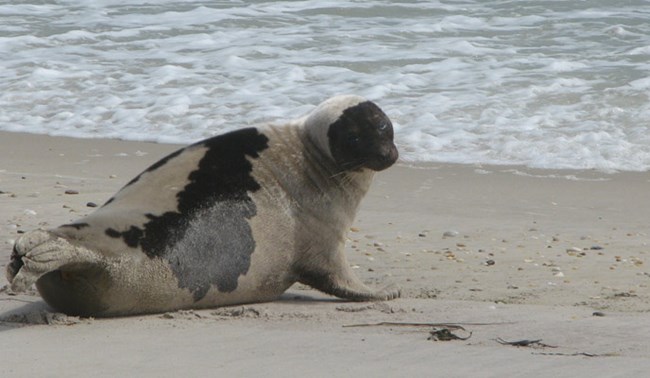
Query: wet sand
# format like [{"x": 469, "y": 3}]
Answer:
[{"x": 505, "y": 252}]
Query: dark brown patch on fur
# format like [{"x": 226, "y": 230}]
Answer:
[{"x": 222, "y": 181}]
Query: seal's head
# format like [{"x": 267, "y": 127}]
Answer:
[{"x": 354, "y": 132}]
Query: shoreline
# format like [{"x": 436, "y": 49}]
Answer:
[{"x": 541, "y": 249}]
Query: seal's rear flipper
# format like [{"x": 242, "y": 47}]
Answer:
[
  {"x": 14, "y": 265},
  {"x": 39, "y": 252},
  {"x": 22, "y": 246}
]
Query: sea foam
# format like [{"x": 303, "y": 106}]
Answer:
[{"x": 543, "y": 84}]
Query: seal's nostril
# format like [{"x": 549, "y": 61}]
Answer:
[
  {"x": 384, "y": 157},
  {"x": 389, "y": 154}
]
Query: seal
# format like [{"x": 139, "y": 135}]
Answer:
[{"x": 236, "y": 218}]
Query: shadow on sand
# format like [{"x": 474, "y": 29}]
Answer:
[{"x": 26, "y": 310}]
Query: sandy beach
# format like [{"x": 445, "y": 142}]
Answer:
[{"x": 506, "y": 253}]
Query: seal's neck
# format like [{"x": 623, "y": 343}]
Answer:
[{"x": 319, "y": 158}]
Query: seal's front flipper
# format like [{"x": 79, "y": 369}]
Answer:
[
  {"x": 341, "y": 282},
  {"x": 39, "y": 252}
]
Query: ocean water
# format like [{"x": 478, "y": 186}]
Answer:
[{"x": 547, "y": 84}]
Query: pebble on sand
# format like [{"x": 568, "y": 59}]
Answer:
[{"x": 450, "y": 234}]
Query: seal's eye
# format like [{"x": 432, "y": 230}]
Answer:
[
  {"x": 382, "y": 126},
  {"x": 353, "y": 139}
]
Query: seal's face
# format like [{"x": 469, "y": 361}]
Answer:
[{"x": 362, "y": 137}]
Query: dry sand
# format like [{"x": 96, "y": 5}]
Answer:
[{"x": 506, "y": 252}]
